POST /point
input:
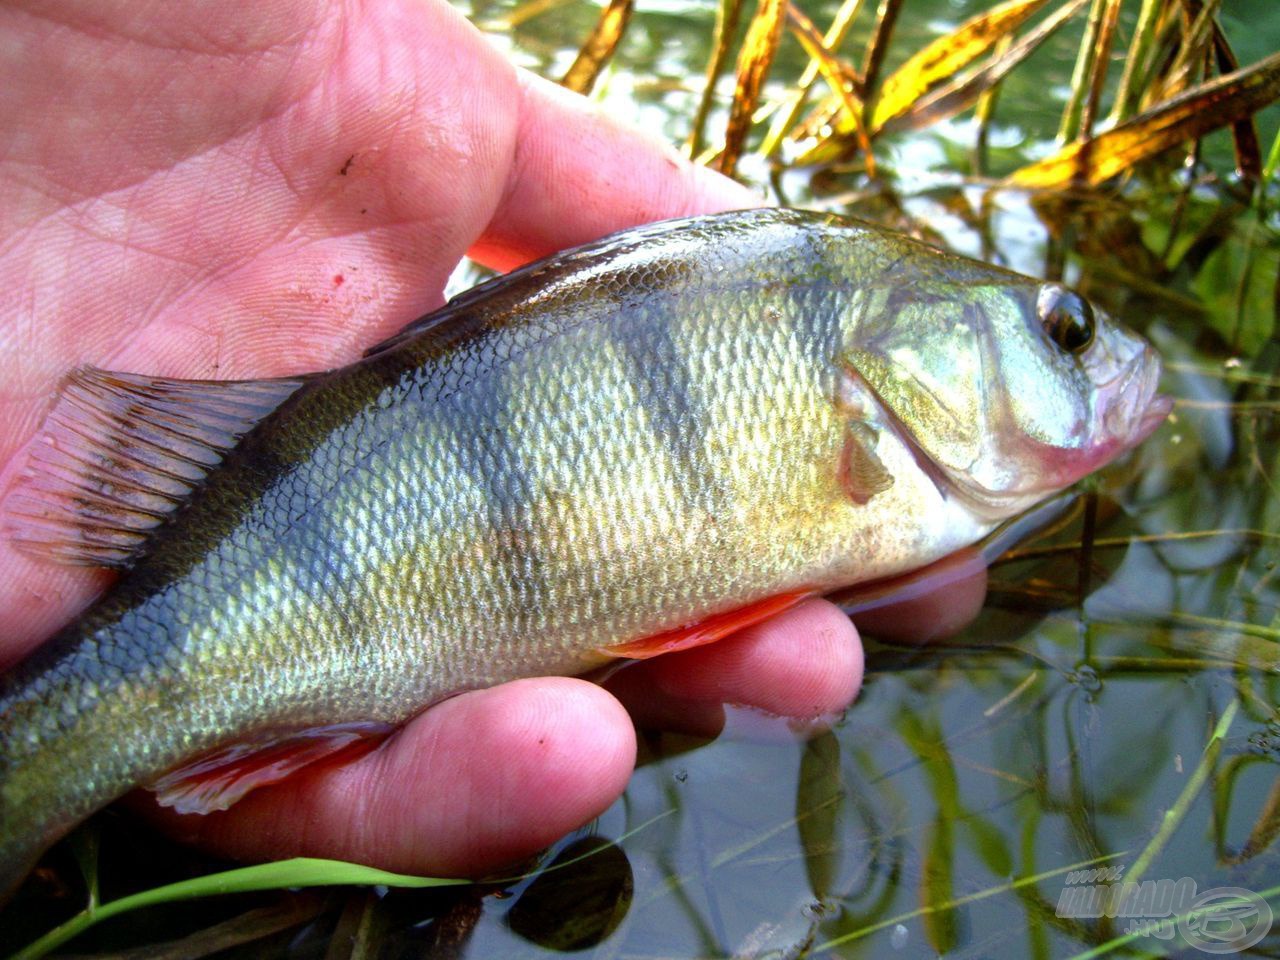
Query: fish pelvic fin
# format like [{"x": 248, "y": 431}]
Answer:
[
  {"x": 217, "y": 780},
  {"x": 119, "y": 453},
  {"x": 713, "y": 628}
]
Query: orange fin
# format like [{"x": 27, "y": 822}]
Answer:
[
  {"x": 217, "y": 780},
  {"x": 120, "y": 452},
  {"x": 713, "y": 628}
]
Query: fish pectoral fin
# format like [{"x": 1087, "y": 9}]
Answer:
[
  {"x": 713, "y": 628},
  {"x": 217, "y": 780},
  {"x": 120, "y": 452},
  {"x": 862, "y": 475}
]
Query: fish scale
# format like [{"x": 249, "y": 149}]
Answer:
[{"x": 597, "y": 453}]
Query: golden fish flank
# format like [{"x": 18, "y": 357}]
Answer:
[{"x": 694, "y": 423}]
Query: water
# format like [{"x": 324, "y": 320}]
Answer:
[{"x": 947, "y": 810}]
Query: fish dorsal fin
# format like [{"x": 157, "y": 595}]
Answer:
[
  {"x": 119, "y": 452},
  {"x": 613, "y": 249},
  {"x": 443, "y": 315},
  {"x": 457, "y": 307}
]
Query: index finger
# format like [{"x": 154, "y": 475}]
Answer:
[{"x": 579, "y": 173}]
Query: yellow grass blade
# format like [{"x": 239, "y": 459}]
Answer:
[
  {"x": 951, "y": 98},
  {"x": 789, "y": 109},
  {"x": 1217, "y": 103},
  {"x": 838, "y": 77},
  {"x": 598, "y": 48},
  {"x": 944, "y": 57},
  {"x": 922, "y": 110},
  {"x": 754, "y": 61}
]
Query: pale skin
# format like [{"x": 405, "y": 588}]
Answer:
[{"x": 223, "y": 190}]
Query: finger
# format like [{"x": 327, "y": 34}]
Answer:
[
  {"x": 805, "y": 663},
  {"x": 936, "y": 615},
  {"x": 473, "y": 785},
  {"x": 579, "y": 173}
]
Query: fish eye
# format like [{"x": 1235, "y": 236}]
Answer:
[{"x": 1067, "y": 318}]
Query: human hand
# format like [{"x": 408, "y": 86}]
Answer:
[{"x": 230, "y": 191}]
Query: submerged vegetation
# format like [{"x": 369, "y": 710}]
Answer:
[{"x": 1116, "y": 704}]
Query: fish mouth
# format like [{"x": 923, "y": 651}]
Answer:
[
  {"x": 1158, "y": 408},
  {"x": 1129, "y": 407}
]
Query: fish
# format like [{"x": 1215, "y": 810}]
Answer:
[{"x": 635, "y": 446}]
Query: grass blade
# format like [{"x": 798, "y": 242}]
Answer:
[
  {"x": 253, "y": 925},
  {"x": 878, "y": 45},
  {"x": 838, "y": 78},
  {"x": 1174, "y": 816},
  {"x": 1100, "y": 64},
  {"x": 754, "y": 61},
  {"x": 789, "y": 109},
  {"x": 1244, "y": 134},
  {"x": 983, "y": 110},
  {"x": 1190, "y": 116},
  {"x": 945, "y": 56},
  {"x": 1197, "y": 39},
  {"x": 937, "y": 871},
  {"x": 298, "y": 872},
  {"x": 1269, "y": 172},
  {"x": 937, "y": 886},
  {"x": 1090, "y": 71},
  {"x": 820, "y": 797},
  {"x": 360, "y": 926},
  {"x": 952, "y": 98},
  {"x": 1019, "y": 884},
  {"x": 1069, "y": 129},
  {"x": 1266, "y": 828},
  {"x": 1144, "y": 38},
  {"x": 599, "y": 47},
  {"x": 84, "y": 846},
  {"x": 1211, "y": 909},
  {"x": 529, "y": 10},
  {"x": 727, "y": 15}
]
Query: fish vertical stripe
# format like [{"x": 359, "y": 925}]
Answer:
[
  {"x": 490, "y": 454},
  {"x": 823, "y": 318},
  {"x": 656, "y": 366}
]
